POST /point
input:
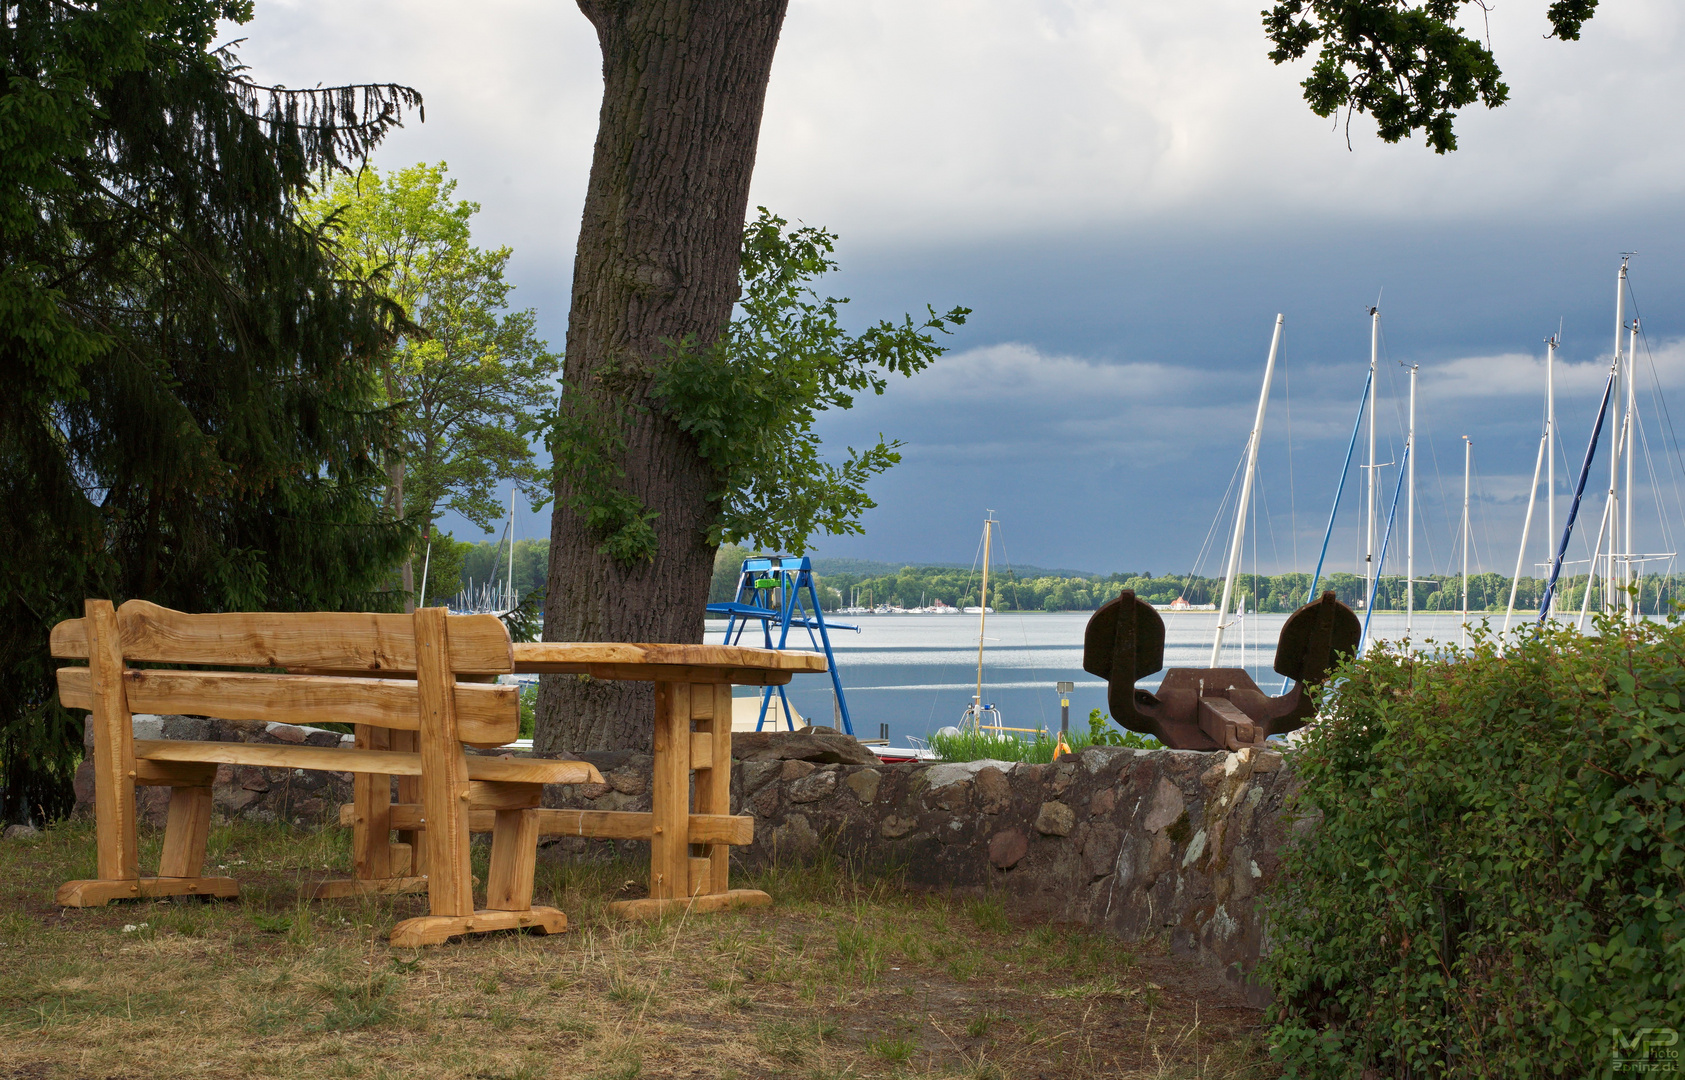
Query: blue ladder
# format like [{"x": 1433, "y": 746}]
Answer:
[{"x": 780, "y": 589}]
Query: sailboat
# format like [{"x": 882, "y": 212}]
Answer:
[
  {"x": 980, "y": 716},
  {"x": 1216, "y": 708}
]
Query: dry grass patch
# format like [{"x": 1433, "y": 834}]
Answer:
[{"x": 845, "y": 976}]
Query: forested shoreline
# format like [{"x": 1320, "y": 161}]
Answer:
[{"x": 457, "y": 565}]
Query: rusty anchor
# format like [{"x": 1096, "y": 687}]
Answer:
[{"x": 1212, "y": 708}]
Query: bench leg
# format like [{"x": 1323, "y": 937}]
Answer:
[
  {"x": 514, "y": 858},
  {"x": 185, "y": 832}
]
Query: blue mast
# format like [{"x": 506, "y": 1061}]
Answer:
[
  {"x": 1357, "y": 425},
  {"x": 1574, "y": 508}
]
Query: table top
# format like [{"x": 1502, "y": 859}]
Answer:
[{"x": 665, "y": 663}]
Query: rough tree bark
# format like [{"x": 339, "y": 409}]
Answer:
[{"x": 684, "y": 82}]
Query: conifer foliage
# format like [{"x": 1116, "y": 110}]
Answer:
[{"x": 189, "y": 412}]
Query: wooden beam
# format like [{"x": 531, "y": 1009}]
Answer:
[
  {"x": 488, "y": 715},
  {"x": 669, "y": 853},
  {"x": 391, "y": 762},
  {"x": 185, "y": 831},
  {"x": 174, "y": 774},
  {"x": 436, "y": 930},
  {"x": 93, "y": 893},
  {"x": 345, "y": 641},
  {"x": 736, "y": 829},
  {"x": 550, "y": 656},
  {"x": 654, "y": 908},
  {"x": 114, "y": 750},
  {"x": 444, "y": 772},
  {"x": 514, "y": 856}
]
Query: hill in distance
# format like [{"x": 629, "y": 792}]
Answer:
[{"x": 869, "y": 568}]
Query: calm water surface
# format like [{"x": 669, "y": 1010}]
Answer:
[{"x": 917, "y": 673}]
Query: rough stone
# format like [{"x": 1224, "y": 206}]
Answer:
[
  {"x": 628, "y": 782},
  {"x": 1055, "y": 819},
  {"x": 865, "y": 785},
  {"x": 287, "y": 733},
  {"x": 795, "y": 769},
  {"x": 21, "y": 832},
  {"x": 795, "y": 838},
  {"x": 756, "y": 774},
  {"x": 1166, "y": 807},
  {"x": 948, "y": 773},
  {"x": 814, "y": 787},
  {"x": 1007, "y": 847},
  {"x": 894, "y": 827},
  {"x": 1103, "y": 802},
  {"x": 823, "y": 747},
  {"x": 994, "y": 790}
]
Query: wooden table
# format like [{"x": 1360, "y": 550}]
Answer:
[{"x": 689, "y": 848}]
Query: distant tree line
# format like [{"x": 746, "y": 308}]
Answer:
[
  {"x": 457, "y": 565},
  {"x": 915, "y": 586}
]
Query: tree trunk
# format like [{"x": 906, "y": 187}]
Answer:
[{"x": 684, "y": 82}]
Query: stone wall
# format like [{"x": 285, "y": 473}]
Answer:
[{"x": 1164, "y": 843}]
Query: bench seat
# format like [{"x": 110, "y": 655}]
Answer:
[{"x": 510, "y": 770}]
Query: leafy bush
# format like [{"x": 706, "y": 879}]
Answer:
[{"x": 1494, "y": 888}]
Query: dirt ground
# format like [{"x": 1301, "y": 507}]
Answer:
[{"x": 843, "y": 977}]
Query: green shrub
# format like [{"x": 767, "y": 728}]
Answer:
[
  {"x": 981, "y": 745},
  {"x": 1494, "y": 888}
]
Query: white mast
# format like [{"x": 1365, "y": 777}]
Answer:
[
  {"x": 1631, "y": 423},
  {"x": 511, "y": 581},
  {"x": 1527, "y": 524},
  {"x": 1615, "y": 447},
  {"x": 1245, "y": 494},
  {"x": 1550, "y": 451},
  {"x": 983, "y": 613},
  {"x": 1369, "y": 531},
  {"x": 1410, "y": 516},
  {"x": 1468, "y": 449}
]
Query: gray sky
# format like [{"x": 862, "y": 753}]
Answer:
[{"x": 1127, "y": 194}]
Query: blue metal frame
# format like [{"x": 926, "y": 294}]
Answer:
[
  {"x": 1386, "y": 538},
  {"x": 792, "y": 601},
  {"x": 1357, "y": 425},
  {"x": 1574, "y": 509}
]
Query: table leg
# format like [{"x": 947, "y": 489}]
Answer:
[
  {"x": 669, "y": 847},
  {"x": 710, "y": 708}
]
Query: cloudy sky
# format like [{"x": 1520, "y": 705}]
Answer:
[{"x": 1127, "y": 194}]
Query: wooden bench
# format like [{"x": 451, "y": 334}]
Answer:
[{"x": 418, "y": 689}]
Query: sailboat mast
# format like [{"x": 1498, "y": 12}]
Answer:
[
  {"x": 1550, "y": 441},
  {"x": 1245, "y": 493},
  {"x": 1410, "y": 516},
  {"x": 1468, "y": 450},
  {"x": 1526, "y": 524},
  {"x": 1631, "y": 423},
  {"x": 983, "y": 611},
  {"x": 511, "y": 583},
  {"x": 1615, "y": 447},
  {"x": 1369, "y": 530}
]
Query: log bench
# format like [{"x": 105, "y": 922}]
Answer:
[{"x": 418, "y": 688}]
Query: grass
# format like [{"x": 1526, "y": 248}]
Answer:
[
  {"x": 848, "y": 975},
  {"x": 1039, "y": 748}
]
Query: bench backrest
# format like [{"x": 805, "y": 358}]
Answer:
[{"x": 373, "y": 658}]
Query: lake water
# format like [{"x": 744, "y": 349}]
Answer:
[{"x": 917, "y": 673}]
